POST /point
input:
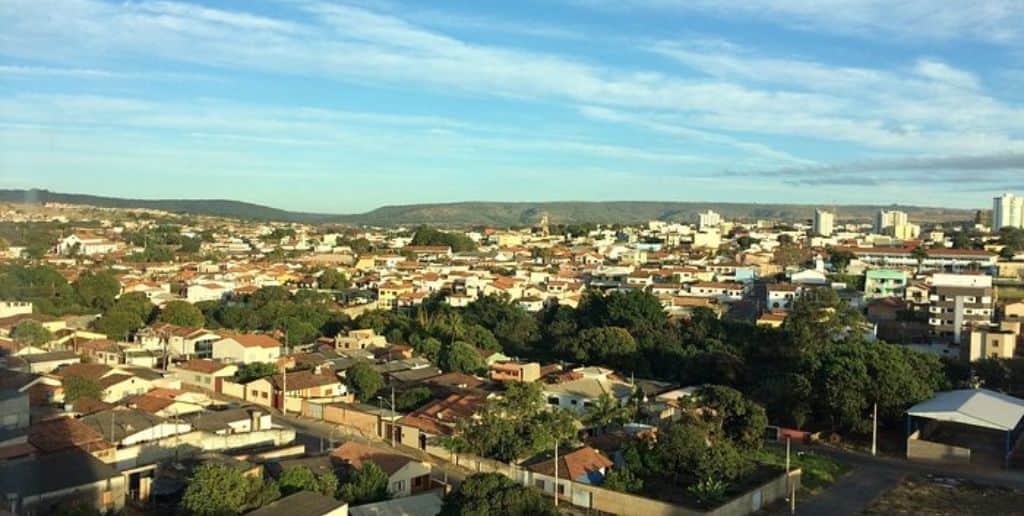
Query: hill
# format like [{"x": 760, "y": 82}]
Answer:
[{"x": 491, "y": 213}]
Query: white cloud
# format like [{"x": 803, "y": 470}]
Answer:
[
  {"x": 929, "y": 106},
  {"x": 994, "y": 21}
]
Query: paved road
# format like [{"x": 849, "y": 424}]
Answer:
[{"x": 873, "y": 476}]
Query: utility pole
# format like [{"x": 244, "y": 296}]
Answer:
[
  {"x": 392, "y": 417},
  {"x": 874, "y": 430},
  {"x": 556, "y": 472},
  {"x": 284, "y": 376}
]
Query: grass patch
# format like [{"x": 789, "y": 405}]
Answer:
[{"x": 818, "y": 471}]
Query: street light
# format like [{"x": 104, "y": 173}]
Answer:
[{"x": 391, "y": 406}]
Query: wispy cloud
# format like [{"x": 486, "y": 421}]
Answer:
[
  {"x": 721, "y": 94},
  {"x": 993, "y": 171},
  {"x": 994, "y": 21}
]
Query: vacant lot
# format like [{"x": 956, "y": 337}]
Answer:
[{"x": 933, "y": 496}]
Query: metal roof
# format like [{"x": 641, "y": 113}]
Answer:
[{"x": 975, "y": 407}]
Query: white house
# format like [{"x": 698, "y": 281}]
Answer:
[
  {"x": 85, "y": 244},
  {"x": 246, "y": 348},
  {"x": 128, "y": 427},
  {"x": 208, "y": 291},
  {"x": 583, "y": 386}
]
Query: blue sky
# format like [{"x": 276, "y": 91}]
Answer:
[{"x": 346, "y": 106}]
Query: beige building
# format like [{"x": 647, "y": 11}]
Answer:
[
  {"x": 359, "y": 339},
  {"x": 992, "y": 341},
  {"x": 515, "y": 371}
]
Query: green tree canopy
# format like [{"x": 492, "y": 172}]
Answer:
[
  {"x": 182, "y": 313},
  {"x": 31, "y": 333},
  {"x": 76, "y": 387},
  {"x": 216, "y": 490},
  {"x": 254, "y": 371},
  {"x": 364, "y": 381},
  {"x": 368, "y": 484},
  {"x": 484, "y": 494},
  {"x": 118, "y": 324},
  {"x": 301, "y": 478},
  {"x": 97, "y": 290},
  {"x": 610, "y": 346},
  {"x": 460, "y": 357}
]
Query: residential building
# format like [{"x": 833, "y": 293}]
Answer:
[
  {"x": 992, "y": 341},
  {"x": 360, "y": 339},
  {"x": 708, "y": 219},
  {"x": 584, "y": 465},
  {"x": 581, "y": 387},
  {"x": 246, "y": 348},
  {"x": 824, "y": 222},
  {"x": 306, "y": 503},
  {"x": 12, "y": 308},
  {"x": 887, "y": 219},
  {"x": 958, "y": 301},
  {"x": 128, "y": 427},
  {"x": 512, "y": 371},
  {"x": 406, "y": 476},
  {"x": 781, "y": 295},
  {"x": 41, "y": 485},
  {"x": 1007, "y": 211},
  {"x": 203, "y": 373},
  {"x": 880, "y": 283}
]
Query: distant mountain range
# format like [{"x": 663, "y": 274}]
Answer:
[{"x": 491, "y": 213}]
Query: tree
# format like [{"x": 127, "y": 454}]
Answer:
[
  {"x": 331, "y": 279},
  {"x": 483, "y": 494},
  {"x": 368, "y": 484},
  {"x": 76, "y": 387},
  {"x": 429, "y": 348},
  {"x": 301, "y": 478},
  {"x": 412, "y": 398},
  {"x": 609, "y": 346},
  {"x": 182, "y": 313},
  {"x": 31, "y": 333},
  {"x": 742, "y": 420},
  {"x": 920, "y": 254},
  {"x": 364, "y": 380},
  {"x": 136, "y": 303},
  {"x": 606, "y": 411},
  {"x": 840, "y": 258},
  {"x": 480, "y": 337},
  {"x": 623, "y": 480},
  {"x": 254, "y": 371},
  {"x": 97, "y": 290},
  {"x": 118, "y": 323},
  {"x": 216, "y": 489},
  {"x": 961, "y": 240},
  {"x": 514, "y": 328},
  {"x": 460, "y": 357},
  {"x": 430, "y": 236}
]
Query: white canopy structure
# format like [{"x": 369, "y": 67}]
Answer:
[{"x": 975, "y": 407}]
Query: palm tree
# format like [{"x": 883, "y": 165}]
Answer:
[
  {"x": 920, "y": 254},
  {"x": 606, "y": 411}
]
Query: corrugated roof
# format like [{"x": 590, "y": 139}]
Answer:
[{"x": 976, "y": 407}]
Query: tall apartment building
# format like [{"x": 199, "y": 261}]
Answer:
[
  {"x": 708, "y": 219},
  {"x": 957, "y": 302},
  {"x": 824, "y": 221},
  {"x": 1007, "y": 211},
  {"x": 887, "y": 219}
]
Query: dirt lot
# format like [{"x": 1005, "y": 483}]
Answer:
[{"x": 933, "y": 496}]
